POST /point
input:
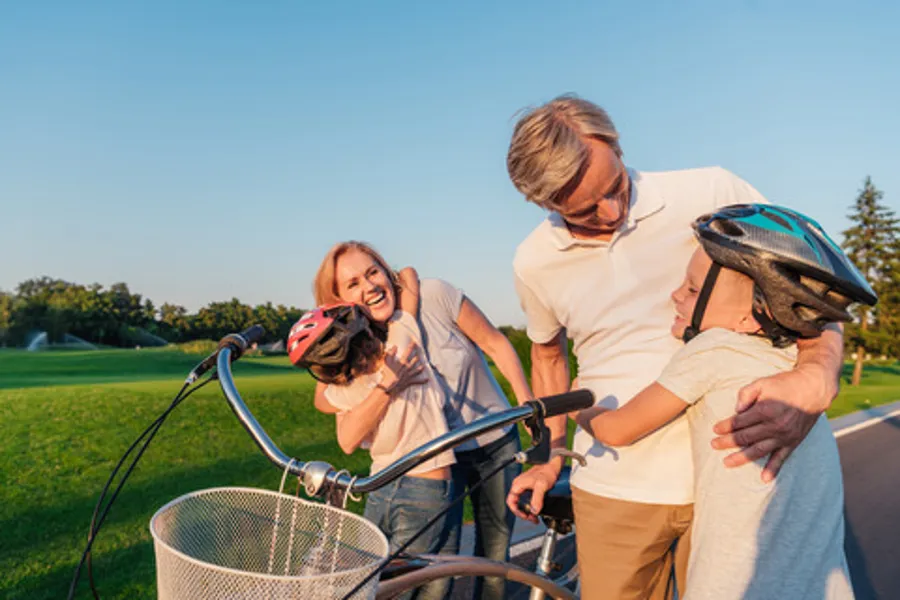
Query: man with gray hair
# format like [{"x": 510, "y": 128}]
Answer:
[{"x": 599, "y": 270}]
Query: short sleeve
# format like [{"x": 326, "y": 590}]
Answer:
[
  {"x": 694, "y": 370},
  {"x": 403, "y": 329},
  {"x": 541, "y": 324},
  {"x": 735, "y": 190},
  {"x": 440, "y": 299}
]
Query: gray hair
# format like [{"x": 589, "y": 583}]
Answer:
[{"x": 548, "y": 147}]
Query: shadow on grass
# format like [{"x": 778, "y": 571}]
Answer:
[
  {"x": 122, "y": 573},
  {"x": 73, "y": 514},
  {"x": 891, "y": 369},
  {"x": 60, "y": 526}
]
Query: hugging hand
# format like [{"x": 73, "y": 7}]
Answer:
[{"x": 402, "y": 370}]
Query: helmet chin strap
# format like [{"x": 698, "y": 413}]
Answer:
[{"x": 692, "y": 330}]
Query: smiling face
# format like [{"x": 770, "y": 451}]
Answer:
[
  {"x": 730, "y": 304},
  {"x": 361, "y": 280},
  {"x": 598, "y": 202}
]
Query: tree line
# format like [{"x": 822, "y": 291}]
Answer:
[{"x": 118, "y": 317}]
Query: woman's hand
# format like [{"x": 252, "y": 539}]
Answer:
[{"x": 402, "y": 370}]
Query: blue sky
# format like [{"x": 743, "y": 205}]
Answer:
[{"x": 208, "y": 149}]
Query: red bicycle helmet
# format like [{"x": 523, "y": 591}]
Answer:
[{"x": 323, "y": 335}]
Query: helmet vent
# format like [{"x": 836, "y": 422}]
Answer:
[
  {"x": 805, "y": 313},
  {"x": 727, "y": 228},
  {"x": 777, "y": 218}
]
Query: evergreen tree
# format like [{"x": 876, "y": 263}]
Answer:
[{"x": 871, "y": 243}]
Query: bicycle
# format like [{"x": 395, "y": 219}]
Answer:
[{"x": 213, "y": 543}]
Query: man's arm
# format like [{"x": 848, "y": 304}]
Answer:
[
  {"x": 549, "y": 375},
  {"x": 774, "y": 414}
]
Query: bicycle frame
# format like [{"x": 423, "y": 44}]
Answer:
[{"x": 319, "y": 477}]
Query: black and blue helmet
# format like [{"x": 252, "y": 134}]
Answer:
[{"x": 803, "y": 279}]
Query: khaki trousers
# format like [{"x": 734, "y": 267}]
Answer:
[{"x": 629, "y": 550}]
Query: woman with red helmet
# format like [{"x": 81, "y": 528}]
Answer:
[
  {"x": 346, "y": 349},
  {"x": 456, "y": 336}
]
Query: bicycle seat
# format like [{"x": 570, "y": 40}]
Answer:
[{"x": 557, "y": 500}]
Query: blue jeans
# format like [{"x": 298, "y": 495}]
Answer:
[
  {"x": 493, "y": 520},
  {"x": 401, "y": 509}
]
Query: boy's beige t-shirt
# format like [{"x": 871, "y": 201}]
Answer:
[
  {"x": 753, "y": 540},
  {"x": 413, "y": 417}
]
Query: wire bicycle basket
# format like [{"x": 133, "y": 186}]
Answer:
[{"x": 225, "y": 543}]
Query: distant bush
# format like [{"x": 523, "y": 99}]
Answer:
[{"x": 197, "y": 347}]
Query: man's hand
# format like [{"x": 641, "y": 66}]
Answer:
[
  {"x": 538, "y": 479},
  {"x": 774, "y": 415}
]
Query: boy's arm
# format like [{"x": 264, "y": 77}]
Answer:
[
  {"x": 409, "y": 291},
  {"x": 648, "y": 411}
]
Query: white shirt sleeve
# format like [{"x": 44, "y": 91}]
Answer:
[
  {"x": 694, "y": 370},
  {"x": 438, "y": 296},
  {"x": 541, "y": 323}
]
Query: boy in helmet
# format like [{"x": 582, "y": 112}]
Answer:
[{"x": 763, "y": 277}]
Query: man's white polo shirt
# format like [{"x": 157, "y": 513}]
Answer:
[{"x": 613, "y": 299}]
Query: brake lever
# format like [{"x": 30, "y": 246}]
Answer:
[{"x": 569, "y": 454}]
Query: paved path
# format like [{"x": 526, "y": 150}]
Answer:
[{"x": 870, "y": 459}]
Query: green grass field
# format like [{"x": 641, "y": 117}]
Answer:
[{"x": 68, "y": 416}]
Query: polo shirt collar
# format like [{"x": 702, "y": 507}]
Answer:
[{"x": 646, "y": 200}]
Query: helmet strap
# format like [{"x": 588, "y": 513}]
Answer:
[
  {"x": 692, "y": 330},
  {"x": 779, "y": 336}
]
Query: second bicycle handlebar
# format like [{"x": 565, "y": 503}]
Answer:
[{"x": 549, "y": 406}]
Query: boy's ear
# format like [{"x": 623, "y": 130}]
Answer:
[{"x": 748, "y": 325}]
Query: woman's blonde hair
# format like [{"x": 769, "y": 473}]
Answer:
[
  {"x": 548, "y": 148},
  {"x": 325, "y": 283}
]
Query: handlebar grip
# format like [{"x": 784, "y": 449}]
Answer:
[
  {"x": 240, "y": 342},
  {"x": 253, "y": 334},
  {"x": 566, "y": 402}
]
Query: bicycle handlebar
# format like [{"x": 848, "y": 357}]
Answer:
[{"x": 542, "y": 407}]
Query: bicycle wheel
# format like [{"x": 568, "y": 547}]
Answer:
[{"x": 468, "y": 566}]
